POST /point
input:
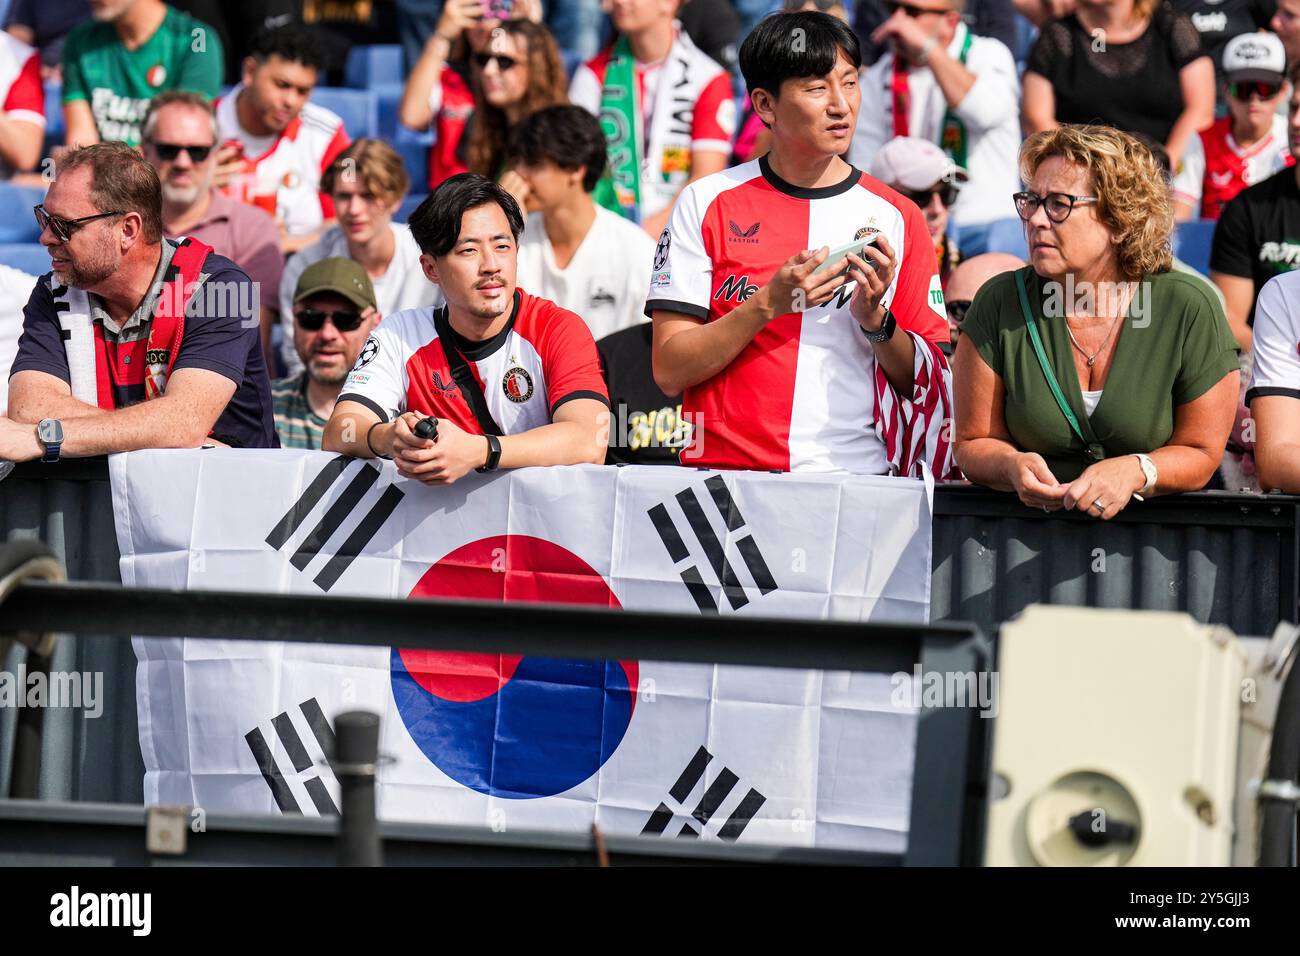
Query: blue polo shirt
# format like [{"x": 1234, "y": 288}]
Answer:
[{"x": 221, "y": 335}]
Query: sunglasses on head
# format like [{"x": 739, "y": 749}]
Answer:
[
  {"x": 313, "y": 320},
  {"x": 823, "y": 6},
  {"x": 910, "y": 10},
  {"x": 64, "y": 228},
  {"x": 1242, "y": 89},
  {"x": 503, "y": 62},
  {"x": 169, "y": 151},
  {"x": 947, "y": 194}
]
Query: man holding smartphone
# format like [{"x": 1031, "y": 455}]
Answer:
[{"x": 784, "y": 366}]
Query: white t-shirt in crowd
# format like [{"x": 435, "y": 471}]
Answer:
[
  {"x": 990, "y": 111},
  {"x": 1276, "y": 339},
  {"x": 606, "y": 280},
  {"x": 403, "y": 286},
  {"x": 15, "y": 289}
]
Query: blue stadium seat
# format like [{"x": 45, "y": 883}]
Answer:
[
  {"x": 371, "y": 66},
  {"x": 413, "y": 147},
  {"x": 389, "y": 98},
  {"x": 1008, "y": 235},
  {"x": 29, "y": 257},
  {"x": 359, "y": 109},
  {"x": 1193, "y": 240},
  {"x": 54, "y": 109},
  {"x": 17, "y": 224},
  {"x": 408, "y": 206}
]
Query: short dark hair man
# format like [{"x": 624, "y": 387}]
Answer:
[
  {"x": 334, "y": 311},
  {"x": 579, "y": 255},
  {"x": 542, "y": 391},
  {"x": 783, "y": 367},
  {"x": 285, "y": 142},
  {"x": 132, "y": 341}
]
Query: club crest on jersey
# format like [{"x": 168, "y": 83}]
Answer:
[
  {"x": 156, "y": 76},
  {"x": 368, "y": 353},
  {"x": 518, "y": 385},
  {"x": 661, "y": 251},
  {"x": 290, "y": 180},
  {"x": 864, "y": 232}
]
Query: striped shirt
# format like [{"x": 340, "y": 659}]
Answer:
[{"x": 296, "y": 423}]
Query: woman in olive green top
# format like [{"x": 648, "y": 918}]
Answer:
[{"x": 1143, "y": 368}]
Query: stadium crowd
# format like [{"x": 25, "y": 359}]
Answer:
[{"x": 935, "y": 234}]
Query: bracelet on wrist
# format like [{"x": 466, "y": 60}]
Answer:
[{"x": 372, "y": 448}]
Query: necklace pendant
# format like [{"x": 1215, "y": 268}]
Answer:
[{"x": 1091, "y": 361}]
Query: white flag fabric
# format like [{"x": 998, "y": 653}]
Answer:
[{"x": 767, "y": 755}]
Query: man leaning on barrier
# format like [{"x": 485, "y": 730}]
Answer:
[{"x": 132, "y": 340}]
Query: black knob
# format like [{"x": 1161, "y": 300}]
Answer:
[
  {"x": 1114, "y": 831},
  {"x": 427, "y": 428}
]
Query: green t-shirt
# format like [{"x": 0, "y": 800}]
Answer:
[
  {"x": 182, "y": 54},
  {"x": 1173, "y": 347}
]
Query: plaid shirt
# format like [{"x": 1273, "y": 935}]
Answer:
[{"x": 297, "y": 424}]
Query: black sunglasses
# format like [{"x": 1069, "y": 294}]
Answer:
[
  {"x": 169, "y": 151},
  {"x": 957, "y": 309},
  {"x": 910, "y": 10},
  {"x": 1058, "y": 205},
  {"x": 313, "y": 320},
  {"x": 503, "y": 62},
  {"x": 1241, "y": 90},
  {"x": 64, "y": 228},
  {"x": 947, "y": 195}
]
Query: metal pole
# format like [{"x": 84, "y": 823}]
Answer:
[{"x": 357, "y": 733}]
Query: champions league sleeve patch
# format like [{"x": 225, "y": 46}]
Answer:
[{"x": 368, "y": 353}]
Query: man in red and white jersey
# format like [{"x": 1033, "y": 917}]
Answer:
[
  {"x": 669, "y": 103},
  {"x": 277, "y": 143},
  {"x": 785, "y": 367},
  {"x": 22, "y": 106},
  {"x": 510, "y": 379},
  {"x": 1249, "y": 144}
]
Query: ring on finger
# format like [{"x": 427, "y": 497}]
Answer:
[{"x": 1099, "y": 505}]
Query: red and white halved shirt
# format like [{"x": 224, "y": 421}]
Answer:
[
  {"x": 806, "y": 393},
  {"x": 1215, "y": 168},
  {"x": 282, "y": 173},
  {"x": 544, "y": 357},
  {"x": 22, "y": 97}
]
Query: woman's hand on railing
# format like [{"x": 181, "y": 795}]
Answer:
[
  {"x": 1106, "y": 488},
  {"x": 1034, "y": 482}
]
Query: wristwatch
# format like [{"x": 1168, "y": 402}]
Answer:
[
  {"x": 886, "y": 330},
  {"x": 49, "y": 432},
  {"x": 1149, "y": 470},
  {"x": 494, "y": 454}
]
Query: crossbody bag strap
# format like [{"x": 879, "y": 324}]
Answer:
[
  {"x": 469, "y": 388},
  {"x": 1032, "y": 326}
]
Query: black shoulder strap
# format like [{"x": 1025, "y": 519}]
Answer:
[{"x": 469, "y": 386}]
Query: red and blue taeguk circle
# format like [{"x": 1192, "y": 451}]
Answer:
[{"x": 504, "y": 725}]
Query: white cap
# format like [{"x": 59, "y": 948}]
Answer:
[
  {"x": 915, "y": 164},
  {"x": 1255, "y": 56}
]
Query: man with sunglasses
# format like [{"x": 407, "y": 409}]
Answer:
[
  {"x": 1258, "y": 233},
  {"x": 923, "y": 173},
  {"x": 179, "y": 140},
  {"x": 334, "y": 311},
  {"x": 132, "y": 340},
  {"x": 942, "y": 83},
  {"x": 1246, "y": 146}
]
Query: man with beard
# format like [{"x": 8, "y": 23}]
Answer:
[
  {"x": 494, "y": 363},
  {"x": 334, "y": 311},
  {"x": 179, "y": 139},
  {"x": 132, "y": 341}
]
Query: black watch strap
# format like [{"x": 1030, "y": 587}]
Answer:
[
  {"x": 886, "y": 330},
  {"x": 494, "y": 454}
]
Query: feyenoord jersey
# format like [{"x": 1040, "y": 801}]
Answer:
[
  {"x": 1215, "y": 169},
  {"x": 543, "y": 358},
  {"x": 291, "y": 167},
  {"x": 804, "y": 394}
]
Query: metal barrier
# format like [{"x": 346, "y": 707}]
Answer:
[
  {"x": 953, "y": 744},
  {"x": 1224, "y": 558}
]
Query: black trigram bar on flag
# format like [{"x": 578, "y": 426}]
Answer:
[
  {"x": 363, "y": 479},
  {"x": 715, "y": 795},
  {"x": 701, "y": 530},
  {"x": 299, "y": 758}
]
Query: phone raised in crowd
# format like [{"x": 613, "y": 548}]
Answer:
[
  {"x": 498, "y": 9},
  {"x": 836, "y": 257}
]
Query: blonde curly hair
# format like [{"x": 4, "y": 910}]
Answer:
[{"x": 1130, "y": 185}]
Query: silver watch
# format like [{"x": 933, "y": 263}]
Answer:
[{"x": 1149, "y": 470}]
